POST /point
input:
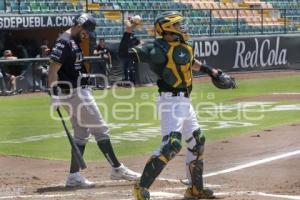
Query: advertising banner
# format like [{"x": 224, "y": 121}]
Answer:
[
  {"x": 11, "y": 22},
  {"x": 249, "y": 53}
]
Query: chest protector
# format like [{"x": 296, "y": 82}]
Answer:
[{"x": 177, "y": 71}]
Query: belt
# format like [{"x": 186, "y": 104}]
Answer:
[
  {"x": 175, "y": 94},
  {"x": 68, "y": 91}
]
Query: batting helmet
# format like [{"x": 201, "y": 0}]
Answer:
[
  {"x": 165, "y": 21},
  {"x": 87, "y": 22}
]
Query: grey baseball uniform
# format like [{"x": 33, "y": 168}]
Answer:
[{"x": 76, "y": 95}]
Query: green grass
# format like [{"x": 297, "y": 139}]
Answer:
[{"x": 26, "y": 116}]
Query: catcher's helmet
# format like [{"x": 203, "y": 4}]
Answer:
[
  {"x": 165, "y": 21},
  {"x": 223, "y": 81},
  {"x": 87, "y": 22}
]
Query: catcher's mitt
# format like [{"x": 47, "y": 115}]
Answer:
[{"x": 223, "y": 81}]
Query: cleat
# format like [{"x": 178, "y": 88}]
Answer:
[
  {"x": 140, "y": 193},
  {"x": 123, "y": 173},
  {"x": 194, "y": 194},
  {"x": 76, "y": 180}
]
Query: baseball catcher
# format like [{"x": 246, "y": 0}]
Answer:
[{"x": 171, "y": 58}]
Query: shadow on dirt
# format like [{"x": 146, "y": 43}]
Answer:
[{"x": 62, "y": 188}]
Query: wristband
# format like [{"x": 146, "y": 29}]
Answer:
[
  {"x": 206, "y": 69},
  {"x": 53, "y": 91}
]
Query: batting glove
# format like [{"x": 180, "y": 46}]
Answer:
[{"x": 55, "y": 103}]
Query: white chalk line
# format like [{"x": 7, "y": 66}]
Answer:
[
  {"x": 278, "y": 196},
  {"x": 58, "y": 195},
  {"x": 287, "y": 93},
  {"x": 159, "y": 195},
  {"x": 162, "y": 195},
  {"x": 229, "y": 170},
  {"x": 254, "y": 163}
]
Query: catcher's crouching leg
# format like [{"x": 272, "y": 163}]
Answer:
[
  {"x": 156, "y": 164},
  {"x": 194, "y": 167}
]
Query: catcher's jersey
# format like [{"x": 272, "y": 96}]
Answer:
[
  {"x": 171, "y": 61},
  {"x": 67, "y": 52}
]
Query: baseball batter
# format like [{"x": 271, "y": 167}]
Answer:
[
  {"x": 171, "y": 58},
  {"x": 70, "y": 89}
]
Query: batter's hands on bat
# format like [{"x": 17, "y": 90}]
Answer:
[
  {"x": 55, "y": 102},
  {"x": 54, "y": 98}
]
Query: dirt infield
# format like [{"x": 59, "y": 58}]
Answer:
[
  {"x": 256, "y": 166},
  {"x": 25, "y": 178}
]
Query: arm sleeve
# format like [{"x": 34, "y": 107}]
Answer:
[
  {"x": 125, "y": 44},
  {"x": 141, "y": 53},
  {"x": 129, "y": 50},
  {"x": 59, "y": 52}
]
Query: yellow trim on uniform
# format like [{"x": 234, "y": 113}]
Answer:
[
  {"x": 163, "y": 158},
  {"x": 185, "y": 69},
  {"x": 171, "y": 64},
  {"x": 137, "y": 55}
]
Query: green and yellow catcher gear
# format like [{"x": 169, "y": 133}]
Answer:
[{"x": 164, "y": 23}]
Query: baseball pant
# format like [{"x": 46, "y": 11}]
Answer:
[
  {"x": 177, "y": 115},
  {"x": 85, "y": 116}
]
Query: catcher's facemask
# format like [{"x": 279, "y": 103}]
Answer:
[
  {"x": 166, "y": 22},
  {"x": 224, "y": 81}
]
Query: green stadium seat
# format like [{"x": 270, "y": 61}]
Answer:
[
  {"x": 35, "y": 7},
  {"x": 106, "y": 32},
  {"x": 25, "y": 7},
  {"x": 116, "y": 6},
  {"x": 15, "y": 7},
  {"x": 61, "y": 7},
  {"x": 2, "y": 7},
  {"x": 69, "y": 7},
  {"x": 53, "y": 7},
  {"x": 98, "y": 31},
  {"x": 198, "y": 19},
  {"x": 132, "y": 6},
  {"x": 79, "y": 7},
  {"x": 44, "y": 7}
]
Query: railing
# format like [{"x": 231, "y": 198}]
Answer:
[
  {"x": 33, "y": 63},
  {"x": 209, "y": 23}
]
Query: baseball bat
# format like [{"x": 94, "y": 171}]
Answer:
[{"x": 75, "y": 150}]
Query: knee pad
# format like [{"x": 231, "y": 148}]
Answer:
[
  {"x": 198, "y": 149},
  {"x": 173, "y": 146}
]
